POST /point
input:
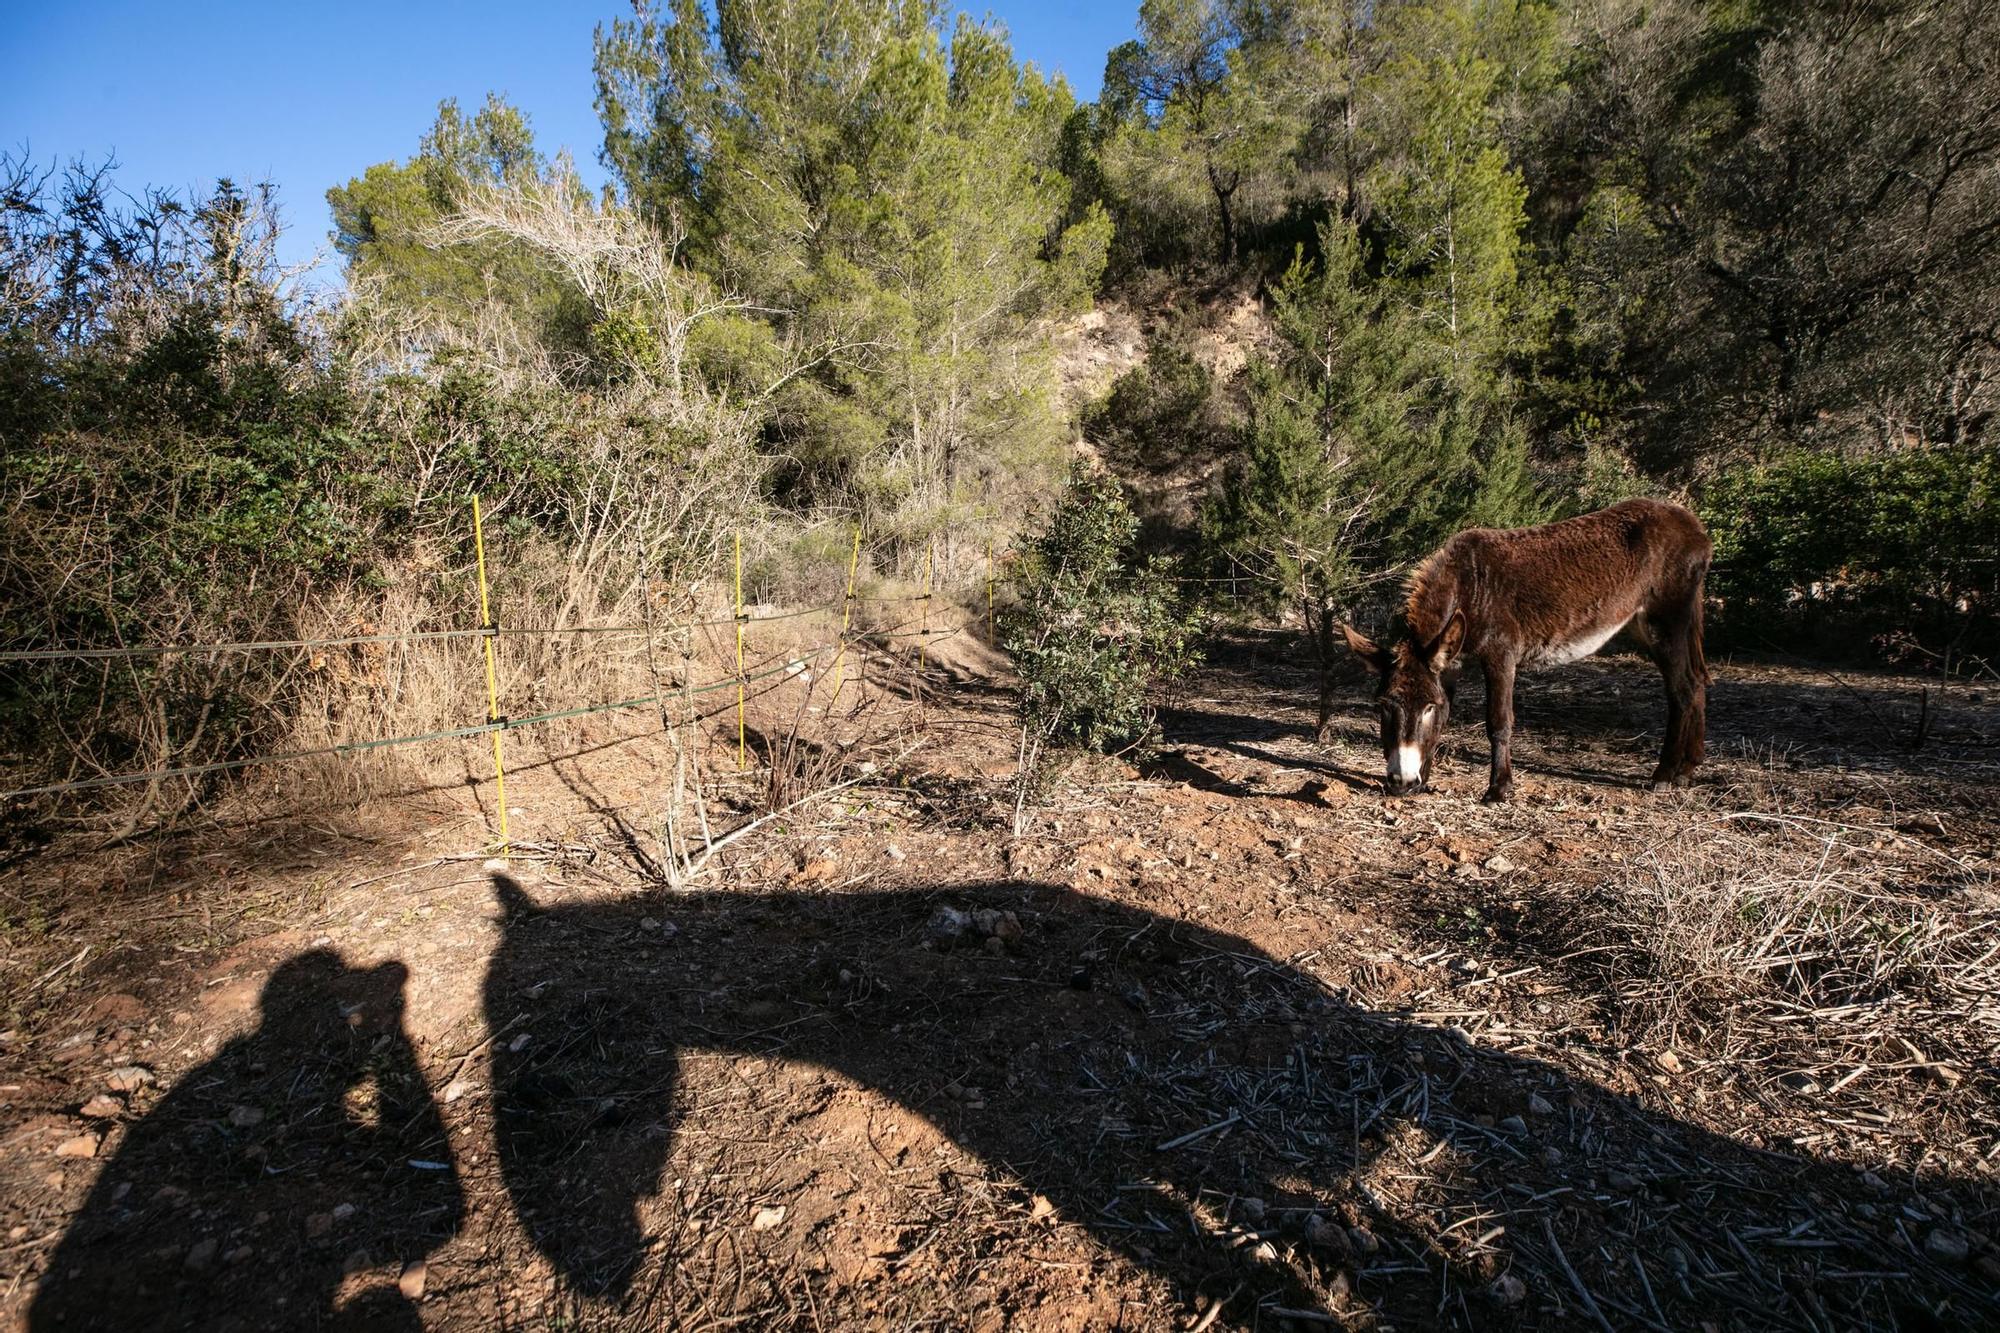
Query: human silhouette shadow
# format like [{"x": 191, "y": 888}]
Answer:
[
  {"x": 303, "y": 1150},
  {"x": 1109, "y": 1046}
]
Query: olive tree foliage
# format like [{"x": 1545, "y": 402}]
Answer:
[
  {"x": 1791, "y": 217},
  {"x": 889, "y": 196}
]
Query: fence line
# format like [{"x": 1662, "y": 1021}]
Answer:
[
  {"x": 792, "y": 661},
  {"x": 416, "y": 636},
  {"x": 489, "y": 632}
]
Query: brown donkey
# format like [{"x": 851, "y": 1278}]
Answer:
[{"x": 1529, "y": 597}]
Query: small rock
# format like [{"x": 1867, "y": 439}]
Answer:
[
  {"x": 241, "y": 1254},
  {"x": 456, "y": 1089},
  {"x": 341, "y": 1212},
  {"x": 318, "y": 1224},
  {"x": 948, "y": 925},
  {"x": 1041, "y": 1208},
  {"x": 1552, "y": 1156},
  {"x": 355, "y": 1261},
  {"x": 1324, "y": 1235},
  {"x": 1008, "y": 927},
  {"x": 1498, "y": 864},
  {"x": 130, "y": 1078},
  {"x": 1251, "y": 1208},
  {"x": 411, "y": 1283},
  {"x": 1668, "y": 1061},
  {"x": 246, "y": 1117},
  {"x": 996, "y": 946},
  {"x": 1947, "y": 1246},
  {"x": 1363, "y": 1240},
  {"x": 894, "y": 853},
  {"x": 1264, "y": 1252},
  {"x": 495, "y": 865},
  {"x": 649, "y": 923},
  {"x": 1328, "y": 794},
  {"x": 1513, "y": 1124},
  {"x": 1539, "y": 1105},
  {"x": 103, "y": 1107},
  {"x": 200, "y": 1255},
  {"x": 1508, "y": 1290},
  {"x": 1622, "y": 1181},
  {"x": 83, "y": 1145},
  {"x": 1799, "y": 1082},
  {"x": 766, "y": 1218}
]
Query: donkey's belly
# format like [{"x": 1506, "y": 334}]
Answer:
[{"x": 1581, "y": 645}]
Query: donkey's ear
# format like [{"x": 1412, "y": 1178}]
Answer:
[
  {"x": 1444, "y": 648},
  {"x": 1365, "y": 648}
]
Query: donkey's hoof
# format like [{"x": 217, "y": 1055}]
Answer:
[
  {"x": 1669, "y": 782},
  {"x": 1497, "y": 795}
]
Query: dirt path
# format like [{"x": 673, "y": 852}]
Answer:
[{"x": 1233, "y": 1042}]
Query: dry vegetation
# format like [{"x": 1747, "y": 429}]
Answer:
[{"x": 1231, "y": 1039}]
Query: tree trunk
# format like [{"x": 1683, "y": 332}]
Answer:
[
  {"x": 1224, "y": 192},
  {"x": 1321, "y": 629}
]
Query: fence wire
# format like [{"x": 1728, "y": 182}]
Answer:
[{"x": 794, "y": 660}]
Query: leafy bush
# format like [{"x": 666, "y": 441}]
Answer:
[
  {"x": 1089, "y": 634},
  {"x": 1901, "y": 541},
  {"x": 1162, "y": 412}
]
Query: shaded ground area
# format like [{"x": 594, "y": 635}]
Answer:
[{"x": 1234, "y": 1042}]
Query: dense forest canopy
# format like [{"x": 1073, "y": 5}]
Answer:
[{"x": 1508, "y": 259}]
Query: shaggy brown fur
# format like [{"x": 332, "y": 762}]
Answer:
[{"x": 1530, "y": 597}]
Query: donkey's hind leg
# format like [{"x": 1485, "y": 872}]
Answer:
[{"x": 1674, "y": 638}]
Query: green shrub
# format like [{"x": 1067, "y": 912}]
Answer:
[
  {"x": 1891, "y": 542},
  {"x": 1161, "y": 412},
  {"x": 1090, "y": 634}
]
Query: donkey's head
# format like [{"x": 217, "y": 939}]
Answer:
[{"x": 1417, "y": 682}]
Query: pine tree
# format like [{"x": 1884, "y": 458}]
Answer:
[
  {"x": 386, "y": 220},
  {"x": 894, "y": 199},
  {"x": 1356, "y": 458}
]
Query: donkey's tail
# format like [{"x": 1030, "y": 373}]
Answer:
[{"x": 1697, "y": 600}]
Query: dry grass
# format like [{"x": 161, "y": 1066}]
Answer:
[{"x": 1834, "y": 935}]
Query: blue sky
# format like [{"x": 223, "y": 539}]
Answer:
[{"x": 309, "y": 94}]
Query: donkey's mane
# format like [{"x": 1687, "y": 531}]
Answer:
[{"x": 1432, "y": 592}]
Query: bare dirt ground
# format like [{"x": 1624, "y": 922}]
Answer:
[{"x": 1231, "y": 1041}]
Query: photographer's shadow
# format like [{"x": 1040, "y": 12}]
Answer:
[
  {"x": 304, "y": 1163},
  {"x": 1143, "y": 1074}
]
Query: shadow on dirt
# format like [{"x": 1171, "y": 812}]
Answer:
[
  {"x": 304, "y": 1165},
  {"x": 1144, "y": 1075}
]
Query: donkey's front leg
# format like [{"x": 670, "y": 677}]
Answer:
[{"x": 1500, "y": 726}]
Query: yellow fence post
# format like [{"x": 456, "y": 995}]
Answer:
[
  {"x": 742, "y": 747},
  {"x": 846, "y": 611},
  {"x": 492, "y": 674},
  {"x": 924, "y": 638}
]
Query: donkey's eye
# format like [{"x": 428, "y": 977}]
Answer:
[{"x": 1430, "y": 711}]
